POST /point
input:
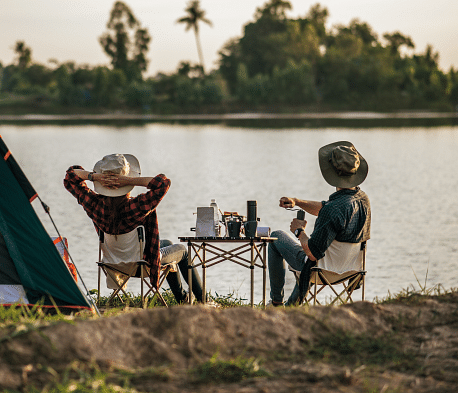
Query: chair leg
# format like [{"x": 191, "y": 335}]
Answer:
[
  {"x": 314, "y": 293},
  {"x": 156, "y": 291},
  {"x": 120, "y": 285},
  {"x": 98, "y": 287},
  {"x": 338, "y": 296},
  {"x": 323, "y": 279},
  {"x": 355, "y": 281},
  {"x": 141, "y": 287},
  {"x": 143, "y": 277},
  {"x": 161, "y": 299}
]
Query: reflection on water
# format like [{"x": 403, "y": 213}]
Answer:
[
  {"x": 412, "y": 184},
  {"x": 357, "y": 120}
]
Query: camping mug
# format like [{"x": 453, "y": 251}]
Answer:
[
  {"x": 233, "y": 228},
  {"x": 263, "y": 232},
  {"x": 250, "y": 228}
]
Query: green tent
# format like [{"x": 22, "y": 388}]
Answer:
[{"x": 31, "y": 268}]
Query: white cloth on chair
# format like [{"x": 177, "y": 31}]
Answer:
[
  {"x": 341, "y": 261},
  {"x": 342, "y": 257},
  {"x": 116, "y": 250}
]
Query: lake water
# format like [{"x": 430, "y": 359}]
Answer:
[{"x": 412, "y": 184}]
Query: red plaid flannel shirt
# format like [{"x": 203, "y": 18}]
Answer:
[{"x": 140, "y": 210}]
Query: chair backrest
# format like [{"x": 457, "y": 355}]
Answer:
[
  {"x": 343, "y": 257},
  {"x": 127, "y": 247}
]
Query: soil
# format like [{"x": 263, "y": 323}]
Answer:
[{"x": 408, "y": 345}]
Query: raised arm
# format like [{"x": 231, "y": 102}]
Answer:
[
  {"x": 311, "y": 207},
  {"x": 114, "y": 181}
]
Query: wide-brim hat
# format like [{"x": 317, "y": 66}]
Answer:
[
  {"x": 341, "y": 165},
  {"x": 122, "y": 164}
]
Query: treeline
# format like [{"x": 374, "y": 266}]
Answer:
[{"x": 278, "y": 64}]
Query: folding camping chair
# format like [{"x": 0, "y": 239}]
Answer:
[
  {"x": 121, "y": 258},
  {"x": 344, "y": 264}
]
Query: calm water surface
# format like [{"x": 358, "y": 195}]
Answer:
[{"x": 412, "y": 185}]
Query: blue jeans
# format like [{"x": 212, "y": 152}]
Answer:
[
  {"x": 178, "y": 252},
  {"x": 285, "y": 248}
]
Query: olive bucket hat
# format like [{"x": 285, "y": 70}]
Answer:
[
  {"x": 121, "y": 164},
  {"x": 341, "y": 165}
]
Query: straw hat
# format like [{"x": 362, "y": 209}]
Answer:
[
  {"x": 121, "y": 164},
  {"x": 341, "y": 165}
]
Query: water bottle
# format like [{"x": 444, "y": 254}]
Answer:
[{"x": 217, "y": 218}]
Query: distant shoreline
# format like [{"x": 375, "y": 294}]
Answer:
[{"x": 231, "y": 116}]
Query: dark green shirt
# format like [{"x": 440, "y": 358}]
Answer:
[{"x": 345, "y": 217}]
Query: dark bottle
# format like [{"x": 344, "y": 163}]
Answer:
[{"x": 252, "y": 214}]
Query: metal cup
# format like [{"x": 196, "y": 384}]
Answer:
[
  {"x": 233, "y": 228},
  {"x": 250, "y": 228},
  {"x": 263, "y": 231}
]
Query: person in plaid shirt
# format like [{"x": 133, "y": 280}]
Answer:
[
  {"x": 114, "y": 211},
  {"x": 344, "y": 218}
]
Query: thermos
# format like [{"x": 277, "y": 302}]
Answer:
[
  {"x": 251, "y": 219},
  {"x": 252, "y": 214},
  {"x": 300, "y": 214}
]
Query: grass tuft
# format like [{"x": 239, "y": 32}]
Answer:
[
  {"x": 362, "y": 349},
  {"x": 234, "y": 370},
  {"x": 413, "y": 295},
  {"x": 133, "y": 300}
]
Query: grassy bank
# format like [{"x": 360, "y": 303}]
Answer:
[{"x": 361, "y": 347}]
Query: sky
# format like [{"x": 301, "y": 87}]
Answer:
[{"x": 68, "y": 30}]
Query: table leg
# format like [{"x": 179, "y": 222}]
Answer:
[
  {"x": 189, "y": 272},
  {"x": 264, "y": 273},
  {"x": 204, "y": 277},
  {"x": 252, "y": 274}
]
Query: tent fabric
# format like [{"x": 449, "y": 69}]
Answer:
[
  {"x": 8, "y": 272},
  {"x": 39, "y": 266},
  {"x": 16, "y": 170},
  {"x": 10, "y": 294}
]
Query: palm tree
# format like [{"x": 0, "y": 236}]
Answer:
[{"x": 195, "y": 15}]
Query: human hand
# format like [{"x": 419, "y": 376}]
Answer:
[
  {"x": 287, "y": 203},
  {"x": 112, "y": 181},
  {"x": 296, "y": 224}
]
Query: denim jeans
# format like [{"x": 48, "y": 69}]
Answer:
[
  {"x": 285, "y": 248},
  {"x": 178, "y": 252}
]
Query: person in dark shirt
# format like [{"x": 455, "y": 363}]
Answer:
[
  {"x": 344, "y": 218},
  {"x": 114, "y": 211}
]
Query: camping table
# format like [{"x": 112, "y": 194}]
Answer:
[{"x": 207, "y": 252}]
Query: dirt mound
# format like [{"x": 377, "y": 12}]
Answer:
[{"x": 409, "y": 345}]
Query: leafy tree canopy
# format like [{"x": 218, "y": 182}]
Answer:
[
  {"x": 23, "y": 54},
  {"x": 126, "y": 42}
]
